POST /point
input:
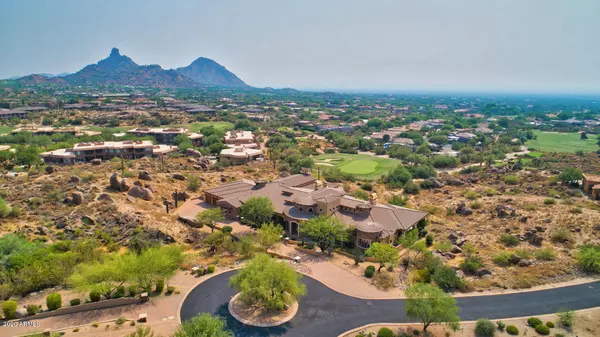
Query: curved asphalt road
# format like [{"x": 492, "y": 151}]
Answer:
[{"x": 325, "y": 312}]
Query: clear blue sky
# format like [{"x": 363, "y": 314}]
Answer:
[{"x": 510, "y": 45}]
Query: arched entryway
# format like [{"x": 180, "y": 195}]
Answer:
[{"x": 294, "y": 226}]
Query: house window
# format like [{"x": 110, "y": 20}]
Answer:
[
  {"x": 363, "y": 243},
  {"x": 320, "y": 210},
  {"x": 310, "y": 210},
  {"x": 300, "y": 208}
]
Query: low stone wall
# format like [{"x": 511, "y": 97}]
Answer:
[
  {"x": 346, "y": 254},
  {"x": 117, "y": 302}
]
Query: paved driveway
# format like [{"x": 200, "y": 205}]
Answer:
[{"x": 324, "y": 312}]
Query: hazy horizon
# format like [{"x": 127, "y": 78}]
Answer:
[{"x": 538, "y": 46}]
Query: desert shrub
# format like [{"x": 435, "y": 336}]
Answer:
[
  {"x": 385, "y": 332},
  {"x": 542, "y": 330},
  {"x": 9, "y": 308},
  {"x": 426, "y": 184},
  {"x": 500, "y": 325},
  {"x": 429, "y": 240},
  {"x": 512, "y": 330},
  {"x": 502, "y": 258},
  {"x": 490, "y": 192},
  {"x": 361, "y": 194},
  {"x": 366, "y": 186},
  {"x": 383, "y": 281},
  {"x": 562, "y": 334},
  {"x": 476, "y": 205},
  {"x": 550, "y": 324},
  {"x": 471, "y": 195},
  {"x": 119, "y": 292},
  {"x": 32, "y": 309},
  {"x": 511, "y": 180},
  {"x": 95, "y": 296},
  {"x": 589, "y": 258},
  {"x": 211, "y": 269},
  {"x": 160, "y": 286},
  {"x": 370, "y": 271},
  {"x": 54, "y": 301},
  {"x": 120, "y": 320},
  {"x": 411, "y": 188},
  {"x": 170, "y": 289},
  {"x": 530, "y": 207},
  {"x": 443, "y": 246},
  {"x": 534, "y": 321},
  {"x": 75, "y": 302},
  {"x": 509, "y": 240},
  {"x": 566, "y": 319},
  {"x": 471, "y": 264},
  {"x": 577, "y": 210},
  {"x": 446, "y": 278},
  {"x": 484, "y": 328},
  {"x": 193, "y": 183},
  {"x": 545, "y": 254},
  {"x": 549, "y": 201},
  {"x": 132, "y": 291},
  {"x": 227, "y": 229},
  {"x": 560, "y": 235}
]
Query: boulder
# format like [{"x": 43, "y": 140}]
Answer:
[
  {"x": 75, "y": 180},
  {"x": 483, "y": 272},
  {"x": 463, "y": 210},
  {"x": 514, "y": 259},
  {"x": 105, "y": 197},
  {"x": 96, "y": 161},
  {"x": 449, "y": 256},
  {"x": 140, "y": 192},
  {"x": 284, "y": 174},
  {"x": 536, "y": 240},
  {"x": 525, "y": 263},
  {"x": 77, "y": 197},
  {"x": 193, "y": 153},
  {"x": 144, "y": 175},
  {"x": 137, "y": 183},
  {"x": 49, "y": 169},
  {"x": 41, "y": 230},
  {"x": 456, "y": 249},
  {"x": 178, "y": 176},
  {"x": 435, "y": 183}
]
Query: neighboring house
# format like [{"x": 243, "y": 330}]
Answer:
[
  {"x": 47, "y": 131},
  {"x": 10, "y": 114},
  {"x": 85, "y": 152},
  {"x": 300, "y": 197},
  {"x": 241, "y": 154},
  {"x": 235, "y": 138},
  {"x": 165, "y": 136},
  {"x": 333, "y": 127},
  {"x": 591, "y": 186}
]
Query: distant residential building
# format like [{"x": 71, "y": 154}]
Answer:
[
  {"x": 238, "y": 138},
  {"x": 87, "y": 151},
  {"x": 333, "y": 127},
  {"x": 10, "y": 114},
  {"x": 47, "y": 130},
  {"x": 241, "y": 155},
  {"x": 591, "y": 186},
  {"x": 165, "y": 136}
]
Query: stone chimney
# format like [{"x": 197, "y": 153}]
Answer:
[{"x": 373, "y": 198}]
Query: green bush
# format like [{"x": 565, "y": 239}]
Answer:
[
  {"x": 120, "y": 320},
  {"x": 542, "y": 330},
  {"x": 549, "y": 201},
  {"x": 429, "y": 240},
  {"x": 170, "y": 289},
  {"x": 120, "y": 292},
  {"x": 534, "y": 321},
  {"x": 502, "y": 259},
  {"x": 566, "y": 319},
  {"x": 9, "y": 308},
  {"x": 32, "y": 309},
  {"x": 512, "y": 330},
  {"x": 411, "y": 188},
  {"x": 550, "y": 324},
  {"x": 562, "y": 334},
  {"x": 366, "y": 186},
  {"x": 545, "y": 254},
  {"x": 500, "y": 325},
  {"x": 54, "y": 301},
  {"x": 132, "y": 291},
  {"x": 511, "y": 180},
  {"x": 385, "y": 332},
  {"x": 227, "y": 229},
  {"x": 210, "y": 269},
  {"x": 446, "y": 278},
  {"x": 484, "y": 328},
  {"x": 560, "y": 235},
  {"x": 95, "y": 296},
  {"x": 75, "y": 302},
  {"x": 160, "y": 286},
  {"x": 471, "y": 195},
  {"x": 369, "y": 271},
  {"x": 589, "y": 258},
  {"x": 509, "y": 240},
  {"x": 471, "y": 264}
]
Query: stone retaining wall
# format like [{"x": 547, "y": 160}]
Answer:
[{"x": 117, "y": 302}]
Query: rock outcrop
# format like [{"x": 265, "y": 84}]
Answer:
[{"x": 140, "y": 192}]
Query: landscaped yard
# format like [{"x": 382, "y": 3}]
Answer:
[
  {"x": 562, "y": 142},
  {"x": 195, "y": 127},
  {"x": 360, "y": 165},
  {"x": 5, "y": 129}
]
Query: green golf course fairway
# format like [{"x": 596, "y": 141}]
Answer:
[
  {"x": 562, "y": 142},
  {"x": 360, "y": 165}
]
